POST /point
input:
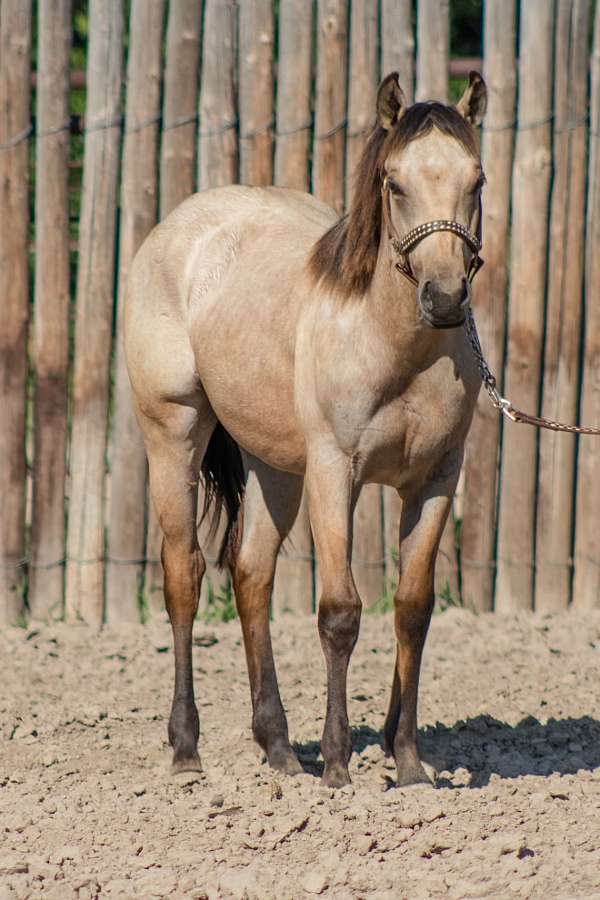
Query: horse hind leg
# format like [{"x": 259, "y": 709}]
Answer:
[
  {"x": 271, "y": 503},
  {"x": 176, "y": 437}
]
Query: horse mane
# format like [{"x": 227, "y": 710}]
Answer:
[{"x": 344, "y": 258}]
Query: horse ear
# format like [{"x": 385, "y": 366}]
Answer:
[
  {"x": 473, "y": 103},
  {"x": 391, "y": 101}
]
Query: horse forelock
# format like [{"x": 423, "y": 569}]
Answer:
[{"x": 343, "y": 260}]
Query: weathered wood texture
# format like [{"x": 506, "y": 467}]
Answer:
[
  {"x": 51, "y": 311},
  {"x": 294, "y": 122},
  {"x": 256, "y": 37},
  {"x": 139, "y": 208},
  {"x": 330, "y": 114},
  {"x": 433, "y": 49},
  {"x": 94, "y": 313},
  {"x": 363, "y": 78},
  {"x": 528, "y": 260},
  {"x": 554, "y": 525},
  {"x": 478, "y": 531},
  {"x": 177, "y": 181},
  {"x": 398, "y": 43},
  {"x": 586, "y": 583},
  {"x": 217, "y": 134},
  {"x": 15, "y": 49}
]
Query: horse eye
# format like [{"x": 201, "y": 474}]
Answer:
[
  {"x": 395, "y": 188},
  {"x": 479, "y": 183}
]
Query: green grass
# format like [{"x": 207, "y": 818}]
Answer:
[{"x": 221, "y": 606}]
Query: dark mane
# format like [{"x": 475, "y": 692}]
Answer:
[{"x": 344, "y": 258}]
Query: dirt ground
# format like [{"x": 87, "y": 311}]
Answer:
[{"x": 510, "y": 722}]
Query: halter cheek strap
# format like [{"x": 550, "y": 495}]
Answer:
[{"x": 403, "y": 246}]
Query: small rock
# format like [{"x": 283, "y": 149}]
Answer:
[
  {"x": 314, "y": 882},
  {"x": 364, "y": 843},
  {"x": 12, "y": 864},
  {"x": 507, "y": 842},
  {"x": 217, "y": 801},
  {"x": 239, "y": 882},
  {"x": 276, "y": 791}
]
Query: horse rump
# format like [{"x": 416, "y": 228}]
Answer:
[{"x": 224, "y": 482}]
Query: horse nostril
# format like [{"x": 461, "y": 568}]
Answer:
[{"x": 426, "y": 298}]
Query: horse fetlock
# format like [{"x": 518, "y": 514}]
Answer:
[{"x": 184, "y": 728}]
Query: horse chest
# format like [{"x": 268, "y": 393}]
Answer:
[{"x": 408, "y": 438}]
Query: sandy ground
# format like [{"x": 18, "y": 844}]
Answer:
[{"x": 510, "y": 721}]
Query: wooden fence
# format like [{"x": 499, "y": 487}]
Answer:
[{"x": 219, "y": 91}]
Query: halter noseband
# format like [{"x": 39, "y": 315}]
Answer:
[{"x": 403, "y": 246}]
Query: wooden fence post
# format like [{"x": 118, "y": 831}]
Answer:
[
  {"x": 528, "y": 260},
  {"x": 177, "y": 181},
  {"x": 330, "y": 112},
  {"x": 586, "y": 584},
  {"x": 293, "y": 587},
  {"x": 398, "y": 44},
  {"x": 51, "y": 310},
  {"x": 293, "y": 94},
  {"x": 478, "y": 531},
  {"x": 217, "y": 147},
  {"x": 94, "y": 313},
  {"x": 257, "y": 37},
  {"x": 127, "y": 522},
  {"x": 15, "y": 124},
  {"x": 433, "y": 49},
  {"x": 554, "y": 525}
]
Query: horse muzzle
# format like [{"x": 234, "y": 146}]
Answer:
[{"x": 442, "y": 308}]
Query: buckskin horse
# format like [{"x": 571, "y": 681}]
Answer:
[{"x": 272, "y": 345}]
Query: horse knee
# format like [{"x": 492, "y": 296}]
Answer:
[
  {"x": 413, "y": 609},
  {"x": 339, "y": 619}
]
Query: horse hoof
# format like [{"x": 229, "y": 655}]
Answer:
[
  {"x": 285, "y": 761},
  {"x": 189, "y": 764},
  {"x": 336, "y": 776},
  {"x": 413, "y": 777}
]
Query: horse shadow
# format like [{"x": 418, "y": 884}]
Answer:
[{"x": 484, "y": 746}]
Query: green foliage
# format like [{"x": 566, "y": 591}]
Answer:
[
  {"x": 466, "y": 18},
  {"x": 221, "y": 606},
  {"x": 445, "y": 599}
]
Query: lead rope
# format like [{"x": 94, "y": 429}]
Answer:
[
  {"x": 504, "y": 405},
  {"x": 403, "y": 246}
]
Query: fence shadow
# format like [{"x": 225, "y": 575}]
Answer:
[{"x": 484, "y": 746}]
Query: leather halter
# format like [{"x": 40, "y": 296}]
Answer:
[{"x": 403, "y": 246}]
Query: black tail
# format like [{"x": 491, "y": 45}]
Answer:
[{"x": 224, "y": 481}]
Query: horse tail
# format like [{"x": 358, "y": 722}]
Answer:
[{"x": 224, "y": 483}]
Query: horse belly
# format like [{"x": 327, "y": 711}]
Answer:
[{"x": 244, "y": 357}]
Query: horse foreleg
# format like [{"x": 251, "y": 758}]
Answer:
[
  {"x": 271, "y": 504},
  {"x": 421, "y": 527},
  {"x": 331, "y": 501}
]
